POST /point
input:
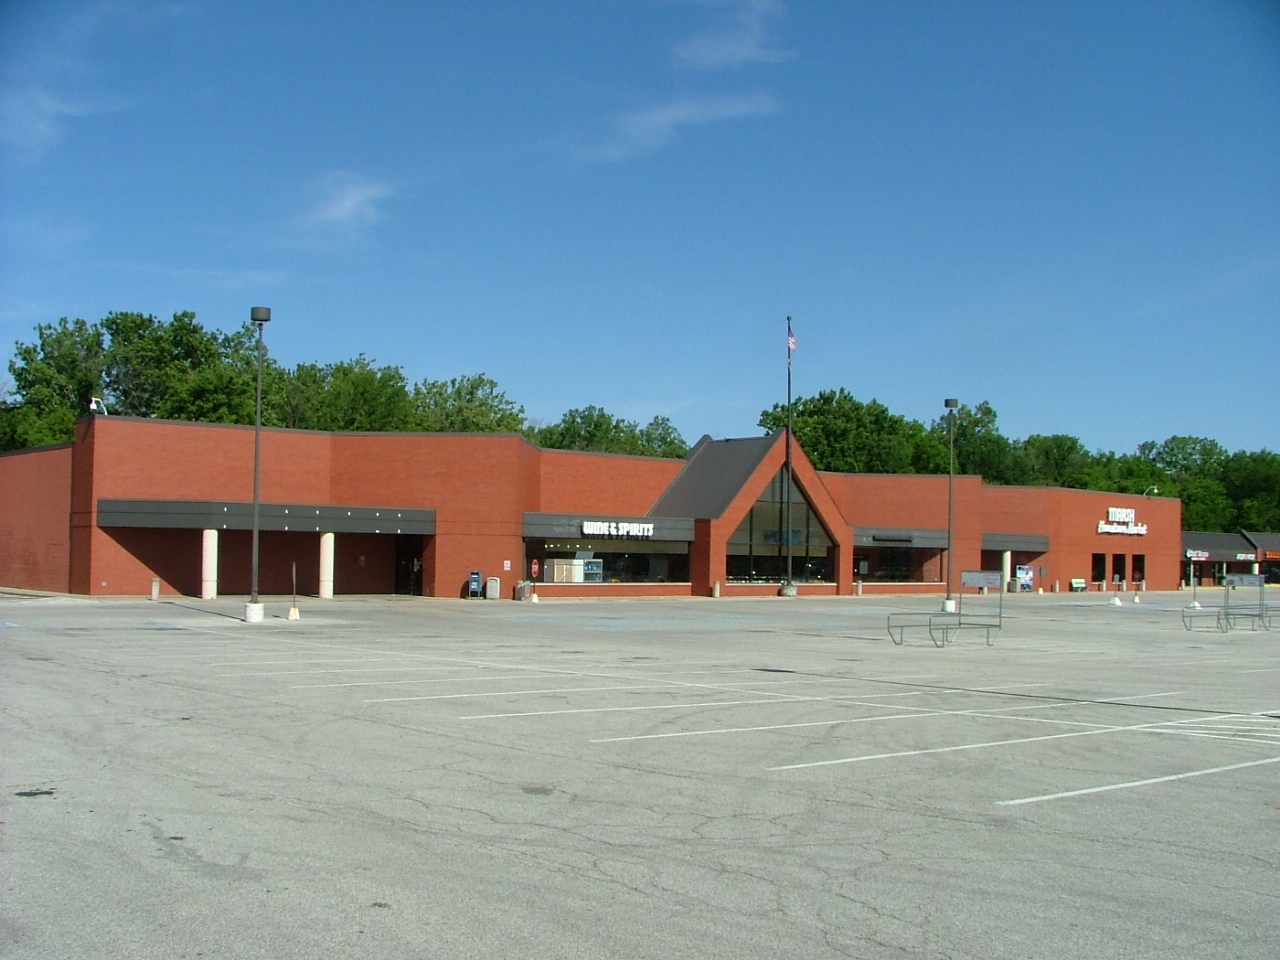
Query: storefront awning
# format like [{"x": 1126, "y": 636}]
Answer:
[
  {"x": 1217, "y": 547},
  {"x": 238, "y": 515},
  {"x": 606, "y": 526},
  {"x": 1016, "y": 542},
  {"x": 899, "y": 537},
  {"x": 1267, "y": 544}
]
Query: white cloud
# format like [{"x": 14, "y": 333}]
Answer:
[
  {"x": 348, "y": 200},
  {"x": 33, "y": 120},
  {"x": 645, "y": 131},
  {"x": 743, "y": 40}
]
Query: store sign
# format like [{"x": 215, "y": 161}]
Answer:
[
  {"x": 1272, "y": 555},
  {"x": 1122, "y": 520},
  {"x": 613, "y": 528},
  {"x": 1246, "y": 556},
  {"x": 1197, "y": 554}
]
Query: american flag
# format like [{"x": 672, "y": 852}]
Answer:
[{"x": 791, "y": 340}]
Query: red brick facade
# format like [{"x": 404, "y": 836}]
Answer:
[{"x": 480, "y": 487}]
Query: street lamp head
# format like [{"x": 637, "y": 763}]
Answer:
[
  {"x": 259, "y": 314},
  {"x": 1151, "y": 490},
  {"x": 950, "y": 404}
]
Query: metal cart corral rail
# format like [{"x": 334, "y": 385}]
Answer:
[
  {"x": 942, "y": 627},
  {"x": 1230, "y": 615}
]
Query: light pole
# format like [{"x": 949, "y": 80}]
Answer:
[
  {"x": 1150, "y": 490},
  {"x": 949, "y": 605},
  {"x": 253, "y": 612}
]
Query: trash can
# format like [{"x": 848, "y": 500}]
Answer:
[{"x": 493, "y": 589}]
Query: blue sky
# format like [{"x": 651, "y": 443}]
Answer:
[{"x": 1071, "y": 210}]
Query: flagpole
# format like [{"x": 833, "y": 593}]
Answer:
[{"x": 790, "y": 349}]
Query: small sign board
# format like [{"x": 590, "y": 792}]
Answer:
[
  {"x": 1243, "y": 580},
  {"x": 991, "y": 579}
]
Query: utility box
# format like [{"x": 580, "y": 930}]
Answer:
[
  {"x": 474, "y": 585},
  {"x": 493, "y": 589}
]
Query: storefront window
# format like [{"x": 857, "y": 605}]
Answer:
[
  {"x": 606, "y": 561},
  {"x": 898, "y": 564},
  {"x": 1099, "y": 568},
  {"x": 758, "y": 548}
]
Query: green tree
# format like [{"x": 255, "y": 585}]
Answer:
[
  {"x": 179, "y": 370},
  {"x": 469, "y": 404},
  {"x": 660, "y": 438},
  {"x": 1252, "y": 484},
  {"x": 363, "y": 397},
  {"x": 296, "y": 398},
  {"x": 1186, "y": 457},
  {"x": 1057, "y": 460},
  {"x": 54, "y": 379},
  {"x": 1205, "y": 506},
  {"x": 980, "y": 446},
  {"x": 842, "y": 434},
  {"x": 593, "y": 428}
]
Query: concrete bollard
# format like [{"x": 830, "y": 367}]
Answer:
[
  {"x": 715, "y": 590},
  {"x": 155, "y": 588},
  {"x": 859, "y": 588}
]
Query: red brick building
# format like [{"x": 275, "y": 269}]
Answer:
[{"x": 134, "y": 499}]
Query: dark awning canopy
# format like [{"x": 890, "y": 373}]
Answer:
[
  {"x": 1016, "y": 542},
  {"x": 899, "y": 537},
  {"x": 1217, "y": 547},
  {"x": 238, "y": 515},
  {"x": 606, "y": 526},
  {"x": 1267, "y": 544}
]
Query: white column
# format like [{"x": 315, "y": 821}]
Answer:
[
  {"x": 209, "y": 565},
  {"x": 326, "y": 566},
  {"x": 1006, "y": 568},
  {"x": 1256, "y": 568}
]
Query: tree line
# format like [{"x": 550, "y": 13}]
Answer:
[
  {"x": 179, "y": 370},
  {"x": 1220, "y": 491}
]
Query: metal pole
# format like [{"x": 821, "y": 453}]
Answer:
[
  {"x": 260, "y": 316},
  {"x": 257, "y": 469},
  {"x": 790, "y": 349},
  {"x": 951, "y": 489}
]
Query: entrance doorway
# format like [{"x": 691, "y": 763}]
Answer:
[{"x": 409, "y": 564}]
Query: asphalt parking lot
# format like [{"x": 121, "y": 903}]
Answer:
[{"x": 410, "y": 778}]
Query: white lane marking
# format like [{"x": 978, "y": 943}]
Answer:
[
  {"x": 1263, "y": 670},
  {"x": 1136, "y": 783},
  {"x": 516, "y": 693},
  {"x": 973, "y": 746},
  {"x": 657, "y": 706},
  {"x": 299, "y": 673},
  {"x": 270, "y": 663},
  {"x": 400, "y": 683},
  {"x": 921, "y": 713}
]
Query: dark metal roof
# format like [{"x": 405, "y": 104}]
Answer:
[
  {"x": 1220, "y": 547},
  {"x": 238, "y": 515},
  {"x": 1017, "y": 542},
  {"x": 1267, "y": 543},
  {"x": 899, "y": 537},
  {"x": 714, "y": 475}
]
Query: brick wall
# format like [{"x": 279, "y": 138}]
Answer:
[{"x": 35, "y": 516}]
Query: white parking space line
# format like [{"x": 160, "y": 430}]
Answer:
[
  {"x": 518, "y": 693},
  {"x": 299, "y": 673},
  {"x": 973, "y": 746},
  {"x": 636, "y": 709},
  {"x": 401, "y": 683},
  {"x": 269, "y": 663},
  {"x": 917, "y": 713},
  {"x": 1136, "y": 783}
]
